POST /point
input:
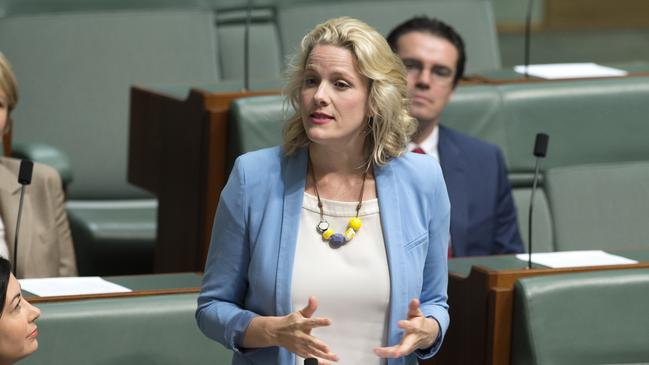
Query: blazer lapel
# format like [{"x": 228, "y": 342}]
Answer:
[
  {"x": 454, "y": 171},
  {"x": 388, "y": 195},
  {"x": 294, "y": 176}
]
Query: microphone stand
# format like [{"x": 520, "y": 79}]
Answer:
[
  {"x": 529, "y": 217},
  {"x": 540, "y": 150},
  {"x": 24, "y": 178},
  {"x": 528, "y": 30}
]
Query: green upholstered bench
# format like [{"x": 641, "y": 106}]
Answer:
[
  {"x": 597, "y": 317},
  {"x": 600, "y": 206},
  {"x": 148, "y": 330},
  {"x": 75, "y": 64}
]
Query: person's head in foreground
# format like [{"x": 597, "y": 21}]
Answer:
[
  {"x": 18, "y": 332},
  {"x": 364, "y": 95}
]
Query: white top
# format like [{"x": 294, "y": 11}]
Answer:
[
  {"x": 351, "y": 283},
  {"x": 4, "y": 249},
  {"x": 429, "y": 145}
]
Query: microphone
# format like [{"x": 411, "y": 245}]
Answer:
[
  {"x": 540, "y": 150},
  {"x": 528, "y": 30},
  {"x": 310, "y": 361},
  {"x": 24, "y": 178},
  {"x": 246, "y": 47}
]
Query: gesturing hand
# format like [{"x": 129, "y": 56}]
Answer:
[
  {"x": 420, "y": 333},
  {"x": 293, "y": 332}
]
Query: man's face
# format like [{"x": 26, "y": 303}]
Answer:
[{"x": 431, "y": 64}]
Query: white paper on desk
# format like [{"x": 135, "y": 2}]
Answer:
[
  {"x": 570, "y": 70},
  {"x": 48, "y": 287},
  {"x": 576, "y": 259}
]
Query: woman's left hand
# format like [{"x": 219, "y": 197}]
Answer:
[{"x": 420, "y": 333}]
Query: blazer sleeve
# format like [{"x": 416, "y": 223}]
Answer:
[
  {"x": 220, "y": 314},
  {"x": 507, "y": 238},
  {"x": 434, "y": 298}
]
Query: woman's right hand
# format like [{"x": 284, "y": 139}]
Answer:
[{"x": 292, "y": 332}]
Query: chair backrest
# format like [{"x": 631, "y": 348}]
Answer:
[
  {"x": 600, "y": 206},
  {"x": 589, "y": 121},
  {"x": 158, "y": 330},
  {"x": 473, "y": 19},
  {"x": 597, "y": 317},
  {"x": 75, "y": 70}
]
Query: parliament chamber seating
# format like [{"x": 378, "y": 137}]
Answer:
[
  {"x": 589, "y": 122},
  {"x": 600, "y": 206},
  {"x": 597, "y": 317},
  {"x": 76, "y": 60},
  {"x": 158, "y": 329}
]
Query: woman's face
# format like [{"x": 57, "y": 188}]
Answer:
[
  {"x": 334, "y": 98},
  {"x": 18, "y": 331}
]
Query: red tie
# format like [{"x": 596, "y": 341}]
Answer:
[
  {"x": 421, "y": 151},
  {"x": 418, "y": 150}
]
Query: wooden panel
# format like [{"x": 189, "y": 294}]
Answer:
[
  {"x": 178, "y": 151},
  {"x": 575, "y": 14}
]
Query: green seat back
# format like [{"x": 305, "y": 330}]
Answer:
[
  {"x": 597, "y": 317},
  {"x": 473, "y": 19},
  {"x": 149, "y": 330},
  {"x": 600, "y": 206},
  {"x": 256, "y": 122},
  {"x": 589, "y": 121},
  {"x": 75, "y": 70}
]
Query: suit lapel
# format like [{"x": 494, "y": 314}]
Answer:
[
  {"x": 294, "y": 175},
  {"x": 454, "y": 171}
]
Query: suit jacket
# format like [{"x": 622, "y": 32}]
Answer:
[
  {"x": 44, "y": 243},
  {"x": 483, "y": 216},
  {"x": 250, "y": 261}
]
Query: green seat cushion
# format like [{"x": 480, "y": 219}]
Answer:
[
  {"x": 149, "y": 330},
  {"x": 113, "y": 237},
  {"x": 597, "y": 317}
]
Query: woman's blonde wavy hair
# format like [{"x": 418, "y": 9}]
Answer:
[
  {"x": 390, "y": 126},
  {"x": 8, "y": 83}
]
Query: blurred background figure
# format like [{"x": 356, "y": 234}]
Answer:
[
  {"x": 45, "y": 246},
  {"x": 483, "y": 215}
]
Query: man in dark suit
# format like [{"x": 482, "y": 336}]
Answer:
[{"x": 483, "y": 216}]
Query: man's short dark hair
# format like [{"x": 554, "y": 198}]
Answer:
[{"x": 437, "y": 28}]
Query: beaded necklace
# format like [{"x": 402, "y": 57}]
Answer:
[{"x": 337, "y": 240}]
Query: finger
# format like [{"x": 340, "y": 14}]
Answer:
[
  {"x": 324, "y": 355},
  {"x": 408, "y": 345},
  {"x": 311, "y": 323},
  {"x": 413, "y": 309},
  {"x": 407, "y": 326},
  {"x": 317, "y": 348},
  {"x": 387, "y": 352},
  {"x": 310, "y": 308}
]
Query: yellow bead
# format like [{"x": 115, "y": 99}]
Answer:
[
  {"x": 328, "y": 233},
  {"x": 355, "y": 223},
  {"x": 349, "y": 234}
]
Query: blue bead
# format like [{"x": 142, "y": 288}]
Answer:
[{"x": 336, "y": 240}]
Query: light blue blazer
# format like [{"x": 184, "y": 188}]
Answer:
[{"x": 250, "y": 261}]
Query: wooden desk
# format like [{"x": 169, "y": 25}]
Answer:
[
  {"x": 178, "y": 151},
  {"x": 481, "y": 292},
  {"x": 141, "y": 285}
]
